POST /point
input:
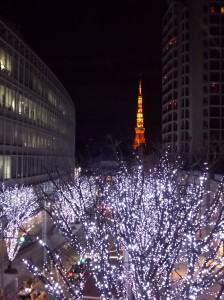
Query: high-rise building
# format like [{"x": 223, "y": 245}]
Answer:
[
  {"x": 139, "y": 129},
  {"x": 193, "y": 77},
  {"x": 37, "y": 116}
]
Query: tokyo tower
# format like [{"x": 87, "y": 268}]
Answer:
[{"x": 139, "y": 129}]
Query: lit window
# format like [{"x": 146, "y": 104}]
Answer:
[
  {"x": 5, "y": 167},
  {"x": 2, "y": 65},
  {"x": 213, "y": 84},
  {"x": 174, "y": 104},
  {"x": 174, "y": 41},
  {"x": 214, "y": 87},
  {"x": 212, "y": 9},
  {"x": 222, "y": 9}
]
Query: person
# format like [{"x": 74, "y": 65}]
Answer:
[
  {"x": 38, "y": 296},
  {"x": 24, "y": 294}
]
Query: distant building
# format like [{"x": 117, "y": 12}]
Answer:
[
  {"x": 193, "y": 77},
  {"x": 37, "y": 116}
]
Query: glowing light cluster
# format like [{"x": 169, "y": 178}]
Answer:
[
  {"x": 83, "y": 201},
  {"x": 18, "y": 205},
  {"x": 157, "y": 218},
  {"x": 165, "y": 221}
]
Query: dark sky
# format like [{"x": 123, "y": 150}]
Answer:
[{"x": 98, "y": 49}]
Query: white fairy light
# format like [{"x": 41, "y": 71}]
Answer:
[
  {"x": 18, "y": 204},
  {"x": 158, "y": 218},
  {"x": 161, "y": 220}
]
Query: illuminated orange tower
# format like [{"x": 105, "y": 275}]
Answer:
[{"x": 139, "y": 129}]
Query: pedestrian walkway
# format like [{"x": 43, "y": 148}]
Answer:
[{"x": 33, "y": 251}]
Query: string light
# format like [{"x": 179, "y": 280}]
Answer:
[
  {"x": 18, "y": 205},
  {"x": 165, "y": 222}
]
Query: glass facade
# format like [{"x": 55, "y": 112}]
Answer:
[{"x": 37, "y": 116}]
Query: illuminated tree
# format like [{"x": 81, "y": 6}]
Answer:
[
  {"x": 17, "y": 206},
  {"x": 83, "y": 201},
  {"x": 167, "y": 221},
  {"x": 172, "y": 229}
]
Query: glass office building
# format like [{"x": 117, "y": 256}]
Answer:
[{"x": 37, "y": 115}]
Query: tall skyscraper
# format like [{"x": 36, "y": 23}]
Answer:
[
  {"x": 139, "y": 130},
  {"x": 193, "y": 77}
]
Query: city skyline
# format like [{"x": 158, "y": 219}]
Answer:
[{"x": 97, "y": 53}]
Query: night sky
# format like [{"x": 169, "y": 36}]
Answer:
[{"x": 98, "y": 49}]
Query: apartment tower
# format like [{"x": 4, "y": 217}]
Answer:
[{"x": 193, "y": 77}]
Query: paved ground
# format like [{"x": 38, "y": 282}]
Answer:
[{"x": 29, "y": 250}]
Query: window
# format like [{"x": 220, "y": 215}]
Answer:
[
  {"x": 214, "y": 8},
  {"x": 205, "y": 136},
  {"x": 205, "y": 20},
  {"x": 214, "y": 76},
  {"x": 205, "y": 33},
  {"x": 205, "y": 43},
  {"x": 214, "y": 87},
  {"x": 205, "y": 112},
  {"x": 205, "y": 89},
  {"x": 214, "y": 42},
  {"x": 222, "y": 10},
  {"x": 205, "y": 101},
  {"x": 205, "y": 66},
  {"x": 205, "y": 78},
  {"x": 214, "y": 53},
  {"x": 214, "y": 19},
  {"x": 174, "y": 104},
  {"x": 214, "y": 30},
  {"x": 214, "y": 112},
  {"x": 205, "y": 124},
  {"x": 222, "y": 76},
  {"x": 214, "y": 135},
  {"x": 5, "y": 167},
  {"x": 214, "y": 65},
  {"x": 214, "y": 123},
  {"x": 214, "y": 100}
]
